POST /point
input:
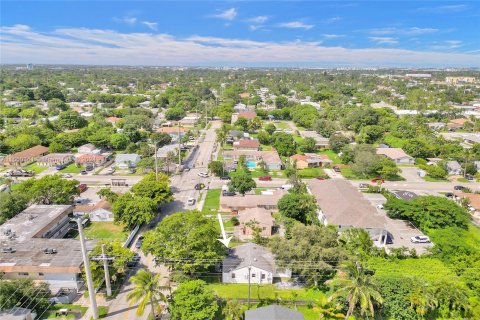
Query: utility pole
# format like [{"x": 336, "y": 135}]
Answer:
[
  {"x": 88, "y": 271},
  {"x": 105, "y": 260},
  {"x": 179, "y": 153},
  {"x": 156, "y": 161},
  {"x": 249, "y": 269}
]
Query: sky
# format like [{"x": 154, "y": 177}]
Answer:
[{"x": 242, "y": 33}]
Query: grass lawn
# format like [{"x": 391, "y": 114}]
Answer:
[
  {"x": 266, "y": 147},
  {"x": 348, "y": 173},
  {"x": 411, "y": 267},
  {"x": 256, "y": 173},
  {"x": 462, "y": 180},
  {"x": 73, "y": 307},
  {"x": 35, "y": 167},
  {"x": 72, "y": 168},
  {"x": 105, "y": 230},
  {"x": 297, "y": 139},
  {"x": 394, "y": 142},
  {"x": 281, "y": 125},
  {"x": 311, "y": 173},
  {"x": 260, "y": 189},
  {"x": 238, "y": 291},
  {"x": 331, "y": 154},
  {"x": 212, "y": 201},
  {"x": 432, "y": 179}
]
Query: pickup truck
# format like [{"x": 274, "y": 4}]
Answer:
[{"x": 21, "y": 173}]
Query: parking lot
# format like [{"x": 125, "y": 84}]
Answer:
[{"x": 400, "y": 230}]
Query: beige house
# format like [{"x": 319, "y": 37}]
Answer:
[
  {"x": 53, "y": 159},
  {"x": 237, "y": 203},
  {"x": 258, "y": 217},
  {"x": 271, "y": 158},
  {"x": 396, "y": 154},
  {"x": 310, "y": 160},
  {"x": 244, "y": 144}
]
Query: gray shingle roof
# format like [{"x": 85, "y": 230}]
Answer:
[
  {"x": 249, "y": 254},
  {"x": 273, "y": 312}
]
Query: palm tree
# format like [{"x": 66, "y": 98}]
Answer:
[
  {"x": 356, "y": 286},
  {"x": 147, "y": 289},
  {"x": 326, "y": 308},
  {"x": 421, "y": 297},
  {"x": 233, "y": 310}
]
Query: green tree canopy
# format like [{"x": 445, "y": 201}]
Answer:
[
  {"x": 186, "y": 242},
  {"x": 157, "y": 190},
  {"x": 192, "y": 301},
  {"x": 50, "y": 189},
  {"x": 133, "y": 210},
  {"x": 301, "y": 207},
  {"x": 284, "y": 143},
  {"x": 241, "y": 181}
]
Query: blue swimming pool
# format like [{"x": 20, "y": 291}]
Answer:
[{"x": 251, "y": 164}]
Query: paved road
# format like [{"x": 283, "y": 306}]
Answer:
[{"x": 184, "y": 187}]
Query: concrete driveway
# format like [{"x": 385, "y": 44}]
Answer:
[{"x": 410, "y": 174}]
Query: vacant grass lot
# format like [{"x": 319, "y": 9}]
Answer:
[
  {"x": 331, "y": 154},
  {"x": 311, "y": 173},
  {"x": 239, "y": 291},
  {"x": 72, "y": 168},
  {"x": 212, "y": 201},
  {"x": 105, "y": 230},
  {"x": 35, "y": 167},
  {"x": 73, "y": 307}
]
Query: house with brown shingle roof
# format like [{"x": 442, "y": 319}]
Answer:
[
  {"x": 101, "y": 211},
  {"x": 25, "y": 157},
  {"x": 246, "y": 144},
  {"x": 396, "y": 154},
  {"x": 310, "y": 160},
  {"x": 237, "y": 203},
  {"x": 260, "y": 217},
  {"x": 95, "y": 159},
  {"x": 343, "y": 205},
  {"x": 249, "y": 115}
]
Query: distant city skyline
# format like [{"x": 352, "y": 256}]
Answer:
[{"x": 242, "y": 34}]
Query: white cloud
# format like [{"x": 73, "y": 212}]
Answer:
[
  {"x": 383, "y": 40},
  {"x": 228, "y": 14},
  {"x": 296, "y": 25},
  {"x": 332, "y": 20},
  {"x": 402, "y": 31},
  {"x": 332, "y": 36},
  {"x": 151, "y": 25},
  {"x": 258, "y": 19},
  {"x": 126, "y": 20},
  {"x": 21, "y": 44},
  {"x": 445, "y": 9}
]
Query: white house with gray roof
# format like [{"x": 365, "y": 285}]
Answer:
[
  {"x": 273, "y": 312},
  {"x": 251, "y": 261}
]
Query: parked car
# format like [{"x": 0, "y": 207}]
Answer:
[
  {"x": 132, "y": 170},
  {"x": 378, "y": 181},
  {"x": 190, "y": 201},
  {"x": 225, "y": 178},
  {"x": 320, "y": 178},
  {"x": 82, "y": 187},
  {"x": 449, "y": 194},
  {"x": 139, "y": 242},
  {"x": 379, "y": 206},
  {"x": 66, "y": 175},
  {"x": 336, "y": 169},
  {"x": 420, "y": 239},
  {"x": 389, "y": 239},
  {"x": 60, "y": 166},
  {"x": 22, "y": 173},
  {"x": 363, "y": 185},
  {"x": 203, "y": 174},
  {"x": 227, "y": 193},
  {"x": 265, "y": 178},
  {"x": 83, "y": 172},
  {"x": 111, "y": 170},
  {"x": 199, "y": 186},
  {"x": 89, "y": 167},
  {"x": 458, "y": 187},
  {"x": 469, "y": 177}
]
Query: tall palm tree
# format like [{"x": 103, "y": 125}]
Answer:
[
  {"x": 421, "y": 297},
  {"x": 357, "y": 287},
  {"x": 326, "y": 308},
  {"x": 147, "y": 289}
]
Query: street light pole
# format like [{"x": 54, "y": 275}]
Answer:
[{"x": 88, "y": 271}]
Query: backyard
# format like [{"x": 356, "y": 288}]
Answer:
[{"x": 105, "y": 230}]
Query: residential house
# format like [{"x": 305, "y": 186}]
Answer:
[
  {"x": 396, "y": 154},
  {"x": 234, "y": 135},
  {"x": 267, "y": 200},
  {"x": 173, "y": 132},
  {"x": 244, "y": 95},
  {"x": 113, "y": 120},
  {"x": 343, "y": 205},
  {"x": 473, "y": 204},
  {"x": 259, "y": 217},
  {"x": 246, "y": 145},
  {"x": 436, "y": 126},
  {"x": 273, "y": 312},
  {"x": 240, "y": 107},
  {"x": 453, "y": 168},
  {"x": 91, "y": 159},
  {"x": 190, "y": 119},
  {"x": 320, "y": 141},
  {"x": 25, "y": 157},
  {"x": 127, "y": 160},
  {"x": 162, "y": 153},
  {"x": 254, "y": 158},
  {"x": 53, "y": 159},
  {"x": 89, "y": 148},
  {"x": 101, "y": 211},
  {"x": 456, "y": 124},
  {"x": 460, "y": 80},
  {"x": 39, "y": 250},
  {"x": 251, "y": 263},
  {"x": 249, "y": 115},
  {"x": 17, "y": 313},
  {"x": 310, "y": 160}
]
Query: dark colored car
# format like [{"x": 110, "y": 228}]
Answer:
[
  {"x": 225, "y": 178},
  {"x": 469, "y": 177},
  {"x": 83, "y": 172},
  {"x": 60, "y": 166},
  {"x": 228, "y": 193},
  {"x": 336, "y": 169},
  {"x": 199, "y": 186},
  {"x": 82, "y": 187},
  {"x": 265, "y": 178},
  {"x": 139, "y": 243},
  {"x": 449, "y": 194},
  {"x": 458, "y": 187}
]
